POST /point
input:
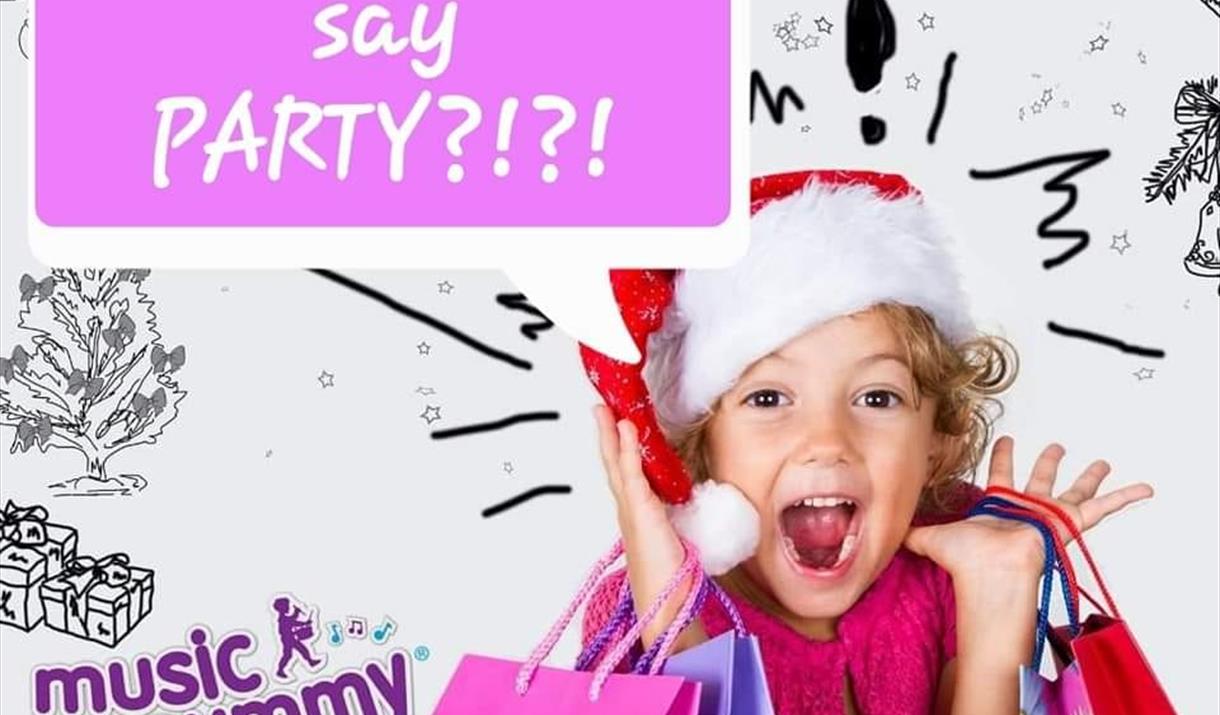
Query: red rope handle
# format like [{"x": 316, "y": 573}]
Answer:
[{"x": 1071, "y": 527}]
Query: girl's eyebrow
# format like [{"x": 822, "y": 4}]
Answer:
[{"x": 878, "y": 357}]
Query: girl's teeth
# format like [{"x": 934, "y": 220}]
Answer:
[{"x": 849, "y": 543}]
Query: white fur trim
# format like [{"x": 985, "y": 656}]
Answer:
[
  {"x": 821, "y": 253},
  {"x": 721, "y": 523}
]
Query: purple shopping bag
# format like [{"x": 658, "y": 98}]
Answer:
[
  {"x": 1063, "y": 696},
  {"x": 493, "y": 686}
]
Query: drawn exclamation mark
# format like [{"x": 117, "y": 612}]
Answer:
[
  {"x": 601, "y": 118},
  {"x": 504, "y": 135},
  {"x": 871, "y": 40}
]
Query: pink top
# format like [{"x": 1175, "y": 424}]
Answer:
[{"x": 893, "y": 643}]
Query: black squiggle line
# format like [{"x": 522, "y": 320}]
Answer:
[
  {"x": 942, "y": 97},
  {"x": 493, "y": 426},
  {"x": 775, "y": 103},
  {"x": 1104, "y": 340},
  {"x": 1081, "y": 161},
  {"x": 423, "y": 318},
  {"x": 524, "y": 497},
  {"x": 518, "y": 301}
]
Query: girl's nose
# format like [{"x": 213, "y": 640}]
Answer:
[{"x": 825, "y": 439}]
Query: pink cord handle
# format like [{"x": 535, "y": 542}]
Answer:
[
  {"x": 681, "y": 621},
  {"x": 526, "y": 674},
  {"x": 689, "y": 565}
]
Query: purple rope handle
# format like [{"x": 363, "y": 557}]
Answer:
[
  {"x": 739, "y": 625},
  {"x": 689, "y": 565},
  {"x": 662, "y": 647},
  {"x": 623, "y": 611},
  {"x": 552, "y": 637}
]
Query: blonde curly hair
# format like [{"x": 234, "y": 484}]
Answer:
[{"x": 964, "y": 379}]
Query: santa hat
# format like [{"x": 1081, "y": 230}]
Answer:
[{"x": 823, "y": 244}]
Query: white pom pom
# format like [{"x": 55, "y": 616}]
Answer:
[{"x": 721, "y": 523}]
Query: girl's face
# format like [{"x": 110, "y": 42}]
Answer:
[{"x": 824, "y": 439}]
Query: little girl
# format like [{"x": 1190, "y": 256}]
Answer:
[{"x": 828, "y": 395}]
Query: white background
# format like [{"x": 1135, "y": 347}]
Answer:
[{"x": 357, "y": 510}]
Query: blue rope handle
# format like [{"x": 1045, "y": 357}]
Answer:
[{"x": 991, "y": 506}]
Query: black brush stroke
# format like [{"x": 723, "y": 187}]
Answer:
[
  {"x": 1081, "y": 161},
  {"x": 1104, "y": 340},
  {"x": 493, "y": 426},
  {"x": 524, "y": 497},
  {"x": 518, "y": 301},
  {"x": 424, "y": 318},
  {"x": 942, "y": 97},
  {"x": 775, "y": 103}
]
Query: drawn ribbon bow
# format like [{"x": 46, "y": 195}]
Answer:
[
  {"x": 84, "y": 574},
  {"x": 1197, "y": 108},
  {"x": 25, "y": 526}
]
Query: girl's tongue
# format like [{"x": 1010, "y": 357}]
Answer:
[{"x": 817, "y": 533}]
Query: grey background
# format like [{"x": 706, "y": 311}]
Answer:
[{"x": 357, "y": 511}]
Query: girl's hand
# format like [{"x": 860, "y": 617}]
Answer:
[
  {"x": 654, "y": 551},
  {"x": 983, "y": 547}
]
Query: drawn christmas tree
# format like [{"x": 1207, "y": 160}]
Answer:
[
  {"x": 95, "y": 379},
  {"x": 1195, "y": 158}
]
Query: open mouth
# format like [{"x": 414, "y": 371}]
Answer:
[{"x": 821, "y": 533}]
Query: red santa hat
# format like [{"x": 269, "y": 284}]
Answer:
[{"x": 823, "y": 244}]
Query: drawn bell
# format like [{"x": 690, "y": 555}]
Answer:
[{"x": 1204, "y": 257}]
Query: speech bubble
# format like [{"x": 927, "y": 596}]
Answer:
[{"x": 550, "y": 140}]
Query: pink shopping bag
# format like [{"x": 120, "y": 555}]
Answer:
[{"x": 492, "y": 686}]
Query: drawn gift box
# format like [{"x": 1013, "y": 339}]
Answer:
[
  {"x": 27, "y": 526},
  {"x": 140, "y": 587},
  {"x": 91, "y": 599},
  {"x": 23, "y": 569},
  {"x": 31, "y": 551}
]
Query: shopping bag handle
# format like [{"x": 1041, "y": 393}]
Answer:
[
  {"x": 1052, "y": 563},
  {"x": 1070, "y": 525},
  {"x": 689, "y": 565},
  {"x": 624, "y": 610},
  {"x": 543, "y": 649},
  {"x": 654, "y": 660}
]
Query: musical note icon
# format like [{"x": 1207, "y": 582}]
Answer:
[
  {"x": 336, "y": 636},
  {"x": 382, "y": 633},
  {"x": 357, "y": 627}
]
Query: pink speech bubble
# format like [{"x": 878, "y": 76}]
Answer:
[{"x": 657, "y": 154}]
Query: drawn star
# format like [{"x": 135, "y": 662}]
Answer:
[
  {"x": 1066, "y": 104},
  {"x": 508, "y": 467},
  {"x": 808, "y": 42},
  {"x": 823, "y": 24},
  {"x": 431, "y": 414},
  {"x": 445, "y": 287},
  {"x": 1021, "y": 113},
  {"x": 423, "y": 348},
  {"x": 913, "y": 81},
  {"x": 267, "y": 455},
  {"x": 1098, "y": 43},
  {"x": 1118, "y": 109},
  {"x": 1036, "y": 108},
  {"x": 1047, "y": 96},
  {"x": 927, "y": 22},
  {"x": 805, "y": 128},
  {"x": 1186, "y": 305},
  {"x": 1144, "y": 373},
  {"x": 224, "y": 289},
  {"x": 792, "y": 44},
  {"x": 327, "y": 379},
  {"x": 1143, "y": 57},
  {"x": 426, "y": 391},
  {"x": 1120, "y": 243}
]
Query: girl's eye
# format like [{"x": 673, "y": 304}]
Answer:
[
  {"x": 766, "y": 398},
  {"x": 881, "y": 399}
]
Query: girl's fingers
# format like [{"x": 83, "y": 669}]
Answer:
[
  {"x": 1042, "y": 480},
  {"x": 631, "y": 470},
  {"x": 1000, "y": 474},
  {"x": 608, "y": 441},
  {"x": 1086, "y": 485},
  {"x": 1096, "y": 509}
]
